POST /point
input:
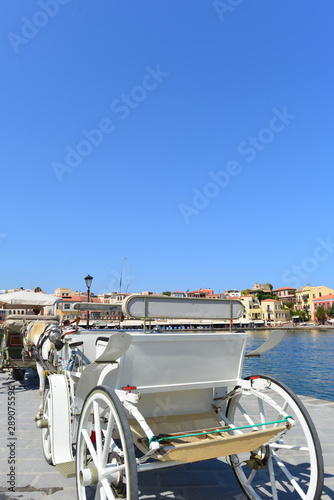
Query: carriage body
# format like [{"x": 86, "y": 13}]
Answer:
[{"x": 173, "y": 396}]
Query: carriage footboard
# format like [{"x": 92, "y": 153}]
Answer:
[{"x": 205, "y": 444}]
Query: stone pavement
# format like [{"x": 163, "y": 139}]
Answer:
[{"x": 34, "y": 479}]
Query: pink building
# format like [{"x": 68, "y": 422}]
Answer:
[
  {"x": 326, "y": 302},
  {"x": 286, "y": 294}
]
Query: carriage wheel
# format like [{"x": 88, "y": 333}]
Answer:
[
  {"x": 46, "y": 430},
  {"x": 105, "y": 460},
  {"x": 290, "y": 467}
]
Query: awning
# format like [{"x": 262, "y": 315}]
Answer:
[{"x": 25, "y": 299}]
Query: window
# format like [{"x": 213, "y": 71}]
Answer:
[{"x": 67, "y": 306}]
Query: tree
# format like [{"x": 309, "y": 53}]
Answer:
[
  {"x": 167, "y": 293},
  {"x": 261, "y": 295},
  {"x": 303, "y": 315},
  {"x": 38, "y": 289},
  {"x": 320, "y": 314},
  {"x": 330, "y": 311}
]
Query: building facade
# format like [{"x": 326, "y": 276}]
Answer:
[
  {"x": 272, "y": 312},
  {"x": 252, "y": 308},
  {"x": 306, "y": 294},
  {"x": 326, "y": 302},
  {"x": 286, "y": 294},
  {"x": 202, "y": 293}
]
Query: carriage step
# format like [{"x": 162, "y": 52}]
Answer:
[
  {"x": 208, "y": 445},
  {"x": 67, "y": 469}
]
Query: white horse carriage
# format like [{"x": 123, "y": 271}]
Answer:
[{"x": 124, "y": 402}]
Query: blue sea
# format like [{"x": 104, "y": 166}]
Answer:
[{"x": 304, "y": 361}]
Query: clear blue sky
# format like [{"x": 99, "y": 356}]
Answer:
[{"x": 193, "y": 138}]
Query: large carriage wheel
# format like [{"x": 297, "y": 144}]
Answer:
[
  {"x": 105, "y": 460},
  {"x": 46, "y": 430},
  {"x": 292, "y": 466}
]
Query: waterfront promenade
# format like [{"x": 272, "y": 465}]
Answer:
[{"x": 34, "y": 479}]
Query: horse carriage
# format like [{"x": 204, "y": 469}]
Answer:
[
  {"x": 11, "y": 344},
  {"x": 123, "y": 402},
  {"x": 23, "y": 307}
]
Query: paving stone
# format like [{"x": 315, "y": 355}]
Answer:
[
  {"x": 51, "y": 480},
  {"x": 65, "y": 494}
]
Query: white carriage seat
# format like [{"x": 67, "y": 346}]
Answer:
[{"x": 109, "y": 349}]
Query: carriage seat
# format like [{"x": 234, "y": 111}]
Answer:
[{"x": 109, "y": 349}]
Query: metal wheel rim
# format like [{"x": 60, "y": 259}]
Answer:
[
  {"x": 46, "y": 432},
  {"x": 98, "y": 403},
  {"x": 306, "y": 437}
]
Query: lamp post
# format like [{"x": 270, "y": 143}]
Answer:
[{"x": 88, "y": 281}]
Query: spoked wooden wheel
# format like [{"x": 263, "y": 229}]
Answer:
[
  {"x": 46, "y": 430},
  {"x": 290, "y": 467},
  {"x": 105, "y": 461}
]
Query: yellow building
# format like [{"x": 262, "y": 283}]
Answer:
[
  {"x": 272, "y": 312},
  {"x": 252, "y": 307},
  {"x": 305, "y": 295},
  {"x": 62, "y": 292}
]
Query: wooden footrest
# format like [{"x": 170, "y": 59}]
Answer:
[{"x": 213, "y": 445}]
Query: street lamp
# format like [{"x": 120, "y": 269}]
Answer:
[{"x": 88, "y": 281}]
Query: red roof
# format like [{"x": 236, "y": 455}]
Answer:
[
  {"x": 207, "y": 291},
  {"x": 81, "y": 298},
  {"x": 325, "y": 297},
  {"x": 178, "y": 292},
  {"x": 270, "y": 300},
  {"x": 284, "y": 288}
]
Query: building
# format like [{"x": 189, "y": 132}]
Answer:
[
  {"x": 306, "y": 294},
  {"x": 272, "y": 312},
  {"x": 65, "y": 308},
  {"x": 2, "y": 315},
  {"x": 62, "y": 292},
  {"x": 106, "y": 297},
  {"x": 178, "y": 294},
  {"x": 258, "y": 287},
  {"x": 286, "y": 294},
  {"x": 263, "y": 287},
  {"x": 118, "y": 298},
  {"x": 253, "y": 312},
  {"x": 232, "y": 293},
  {"x": 202, "y": 293},
  {"x": 325, "y": 301}
]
